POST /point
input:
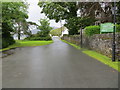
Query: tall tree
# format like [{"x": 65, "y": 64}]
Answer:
[
  {"x": 28, "y": 26},
  {"x": 15, "y": 13},
  {"x": 96, "y": 10},
  {"x": 44, "y": 27},
  {"x": 61, "y": 11},
  {"x": 12, "y": 14},
  {"x": 102, "y": 10}
]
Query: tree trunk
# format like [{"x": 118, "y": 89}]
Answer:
[{"x": 19, "y": 34}]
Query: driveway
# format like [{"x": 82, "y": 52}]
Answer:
[{"x": 57, "y": 65}]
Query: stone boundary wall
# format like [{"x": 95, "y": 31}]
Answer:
[{"x": 101, "y": 43}]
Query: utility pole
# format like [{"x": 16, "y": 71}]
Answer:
[
  {"x": 114, "y": 29},
  {"x": 81, "y": 37}
]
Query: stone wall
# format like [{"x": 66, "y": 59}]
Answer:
[{"x": 101, "y": 43}]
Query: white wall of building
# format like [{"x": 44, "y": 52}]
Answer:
[{"x": 65, "y": 31}]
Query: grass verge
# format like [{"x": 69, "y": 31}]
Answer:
[
  {"x": 102, "y": 58},
  {"x": 78, "y": 47},
  {"x": 22, "y": 43}
]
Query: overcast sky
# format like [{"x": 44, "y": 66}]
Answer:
[{"x": 35, "y": 15}]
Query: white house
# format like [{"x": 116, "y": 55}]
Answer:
[{"x": 65, "y": 31}]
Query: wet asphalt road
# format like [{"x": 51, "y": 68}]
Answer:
[{"x": 57, "y": 65}]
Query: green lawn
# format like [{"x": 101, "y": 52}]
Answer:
[
  {"x": 21, "y": 43},
  {"x": 102, "y": 58}
]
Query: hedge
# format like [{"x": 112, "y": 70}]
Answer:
[
  {"x": 47, "y": 38},
  {"x": 91, "y": 30}
]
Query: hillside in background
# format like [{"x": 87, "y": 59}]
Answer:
[{"x": 57, "y": 32}]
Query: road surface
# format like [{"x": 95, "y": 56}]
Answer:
[{"x": 57, "y": 65}]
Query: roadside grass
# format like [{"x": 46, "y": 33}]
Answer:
[
  {"x": 22, "y": 43},
  {"x": 102, "y": 58},
  {"x": 78, "y": 47}
]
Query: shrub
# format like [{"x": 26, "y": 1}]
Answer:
[
  {"x": 4, "y": 43},
  {"x": 38, "y": 38},
  {"x": 66, "y": 35},
  {"x": 42, "y": 34},
  {"x": 91, "y": 30},
  {"x": 118, "y": 28},
  {"x": 7, "y": 39}
]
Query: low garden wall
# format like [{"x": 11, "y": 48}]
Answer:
[{"x": 101, "y": 43}]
